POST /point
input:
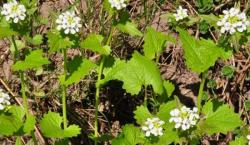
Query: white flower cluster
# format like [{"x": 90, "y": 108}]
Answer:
[
  {"x": 248, "y": 138},
  {"x": 4, "y": 99},
  {"x": 232, "y": 21},
  {"x": 118, "y": 4},
  {"x": 153, "y": 126},
  {"x": 13, "y": 10},
  {"x": 69, "y": 22},
  {"x": 181, "y": 13},
  {"x": 184, "y": 117}
]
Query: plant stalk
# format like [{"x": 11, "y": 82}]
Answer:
[
  {"x": 16, "y": 53},
  {"x": 25, "y": 100},
  {"x": 98, "y": 86},
  {"x": 64, "y": 91},
  {"x": 199, "y": 99},
  {"x": 97, "y": 96},
  {"x": 21, "y": 75},
  {"x": 145, "y": 96}
]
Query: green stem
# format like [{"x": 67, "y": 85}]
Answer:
[
  {"x": 64, "y": 91},
  {"x": 98, "y": 86},
  {"x": 23, "y": 86},
  {"x": 34, "y": 138},
  {"x": 97, "y": 96},
  {"x": 199, "y": 99},
  {"x": 16, "y": 54},
  {"x": 145, "y": 96},
  {"x": 21, "y": 75}
]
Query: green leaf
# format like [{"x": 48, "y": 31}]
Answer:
[
  {"x": 94, "y": 43},
  {"x": 18, "y": 141},
  {"x": 29, "y": 124},
  {"x": 129, "y": 28},
  {"x": 19, "y": 44},
  {"x": 51, "y": 127},
  {"x": 221, "y": 121},
  {"x": 141, "y": 114},
  {"x": 78, "y": 69},
  {"x": 33, "y": 60},
  {"x": 228, "y": 71},
  {"x": 207, "y": 109},
  {"x": 204, "y": 5},
  {"x": 169, "y": 87},
  {"x": 169, "y": 136},
  {"x": 12, "y": 121},
  {"x": 37, "y": 40},
  {"x": 107, "y": 7},
  {"x": 164, "y": 111},
  {"x": 130, "y": 136},
  {"x": 210, "y": 19},
  {"x": 154, "y": 43},
  {"x": 58, "y": 42},
  {"x": 239, "y": 141},
  {"x": 200, "y": 55},
  {"x": 6, "y": 30},
  {"x": 139, "y": 71}
]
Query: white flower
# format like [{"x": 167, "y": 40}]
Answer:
[
  {"x": 181, "y": 14},
  {"x": 153, "y": 126},
  {"x": 13, "y": 10},
  {"x": 4, "y": 99},
  {"x": 118, "y": 4},
  {"x": 69, "y": 22},
  {"x": 184, "y": 118},
  {"x": 232, "y": 21},
  {"x": 248, "y": 138}
]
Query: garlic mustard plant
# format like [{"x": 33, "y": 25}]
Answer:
[
  {"x": 233, "y": 21},
  {"x": 153, "y": 126},
  {"x": 69, "y": 22},
  {"x": 4, "y": 99},
  {"x": 181, "y": 14},
  {"x": 13, "y": 11},
  {"x": 118, "y": 4},
  {"x": 184, "y": 118}
]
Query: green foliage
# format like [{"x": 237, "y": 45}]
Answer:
[
  {"x": 78, "y": 68},
  {"x": 33, "y": 60},
  {"x": 239, "y": 141},
  {"x": 169, "y": 87},
  {"x": 141, "y": 114},
  {"x": 139, "y": 71},
  {"x": 57, "y": 42},
  {"x": 154, "y": 43},
  {"x": 221, "y": 120},
  {"x": 6, "y": 30},
  {"x": 204, "y": 5},
  {"x": 125, "y": 25},
  {"x": 51, "y": 127},
  {"x": 18, "y": 141},
  {"x": 19, "y": 44},
  {"x": 107, "y": 7},
  {"x": 169, "y": 136},
  {"x": 94, "y": 43},
  {"x": 164, "y": 111},
  {"x": 203, "y": 27},
  {"x": 211, "y": 19},
  {"x": 130, "y": 28},
  {"x": 13, "y": 123},
  {"x": 228, "y": 71},
  {"x": 36, "y": 40},
  {"x": 200, "y": 54},
  {"x": 130, "y": 136}
]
